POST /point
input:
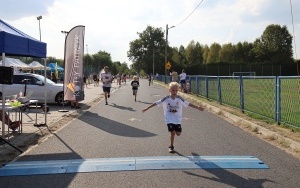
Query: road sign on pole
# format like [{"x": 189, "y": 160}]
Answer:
[{"x": 168, "y": 65}]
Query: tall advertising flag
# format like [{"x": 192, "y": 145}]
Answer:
[{"x": 73, "y": 77}]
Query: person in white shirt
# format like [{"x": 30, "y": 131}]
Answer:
[
  {"x": 106, "y": 79},
  {"x": 182, "y": 80},
  {"x": 172, "y": 105}
]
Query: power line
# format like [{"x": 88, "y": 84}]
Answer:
[{"x": 190, "y": 13}]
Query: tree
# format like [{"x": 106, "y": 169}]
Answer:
[
  {"x": 274, "y": 46},
  {"x": 193, "y": 53},
  {"x": 101, "y": 59},
  {"x": 175, "y": 59},
  {"x": 205, "y": 54},
  {"x": 243, "y": 53},
  {"x": 227, "y": 53},
  {"x": 214, "y": 53},
  {"x": 150, "y": 44},
  {"x": 87, "y": 65},
  {"x": 182, "y": 58}
]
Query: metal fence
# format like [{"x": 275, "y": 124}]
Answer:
[{"x": 273, "y": 97}]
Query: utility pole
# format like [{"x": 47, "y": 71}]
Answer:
[{"x": 166, "y": 51}]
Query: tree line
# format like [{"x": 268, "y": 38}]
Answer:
[
  {"x": 274, "y": 47},
  {"x": 148, "y": 53}
]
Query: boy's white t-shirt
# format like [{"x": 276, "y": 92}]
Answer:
[
  {"x": 183, "y": 76},
  {"x": 106, "y": 79},
  {"x": 172, "y": 108}
]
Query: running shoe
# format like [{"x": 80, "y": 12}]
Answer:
[
  {"x": 171, "y": 149},
  {"x": 106, "y": 103}
]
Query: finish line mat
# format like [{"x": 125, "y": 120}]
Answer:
[{"x": 131, "y": 164}]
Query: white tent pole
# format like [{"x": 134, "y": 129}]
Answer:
[{"x": 45, "y": 107}]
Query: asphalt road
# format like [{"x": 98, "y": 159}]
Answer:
[{"x": 120, "y": 129}]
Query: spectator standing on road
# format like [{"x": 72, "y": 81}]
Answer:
[
  {"x": 135, "y": 84},
  {"x": 149, "y": 78},
  {"x": 106, "y": 79},
  {"x": 174, "y": 75},
  {"x": 182, "y": 80},
  {"x": 53, "y": 77},
  {"x": 172, "y": 105},
  {"x": 123, "y": 77},
  {"x": 84, "y": 81},
  {"x": 118, "y": 79}
]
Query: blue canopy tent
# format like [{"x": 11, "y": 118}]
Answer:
[
  {"x": 14, "y": 42},
  {"x": 53, "y": 67}
]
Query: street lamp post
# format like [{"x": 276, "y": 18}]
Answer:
[
  {"x": 166, "y": 51},
  {"x": 65, "y": 32},
  {"x": 39, "y": 18}
]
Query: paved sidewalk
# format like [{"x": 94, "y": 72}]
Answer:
[{"x": 54, "y": 119}]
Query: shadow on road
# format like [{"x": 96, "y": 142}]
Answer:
[
  {"x": 113, "y": 127},
  {"x": 122, "y": 107},
  {"x": 226, "y": 177}
]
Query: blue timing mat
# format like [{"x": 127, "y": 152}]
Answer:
[{"x": 131, "y": 164}]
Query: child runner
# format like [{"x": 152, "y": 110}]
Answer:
[
  {"x": 172, "y": 105},
  {"x": 149, "y": 79},
  {"x": 135, "y": 84},
  {"x": 106, "y": 79}
]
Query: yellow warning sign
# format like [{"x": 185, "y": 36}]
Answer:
[{"x": 168, "y": 65}]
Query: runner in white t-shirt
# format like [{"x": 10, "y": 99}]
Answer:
[
  {"x": 182, "y": 80},
  {"x": 172, "y": 105},
  {"x": 106, "y": 79}
]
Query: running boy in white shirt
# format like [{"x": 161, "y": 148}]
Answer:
[
  {"x": 106, "y": 79},
  {"x": 172, "y": 105}
]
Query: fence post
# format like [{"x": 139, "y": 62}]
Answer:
[
  {"x": 242, "y": 94},
  {"x": 206, "y": 86},
  {"x": 219, "y": 90},
  {"x": 197, "y": 85},
  {"x": 278, "y": 101}
]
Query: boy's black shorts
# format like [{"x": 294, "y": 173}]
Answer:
[
  {"x": 106, "y": 89},
  {"x": 174, "y": 127}
]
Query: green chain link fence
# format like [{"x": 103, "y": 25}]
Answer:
[{"x": 273, "y": 97}]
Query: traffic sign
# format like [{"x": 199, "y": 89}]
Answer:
[{"x": 168, "y": 65}]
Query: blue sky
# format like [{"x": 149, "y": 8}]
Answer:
[{"x": 111, "y": 25}]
